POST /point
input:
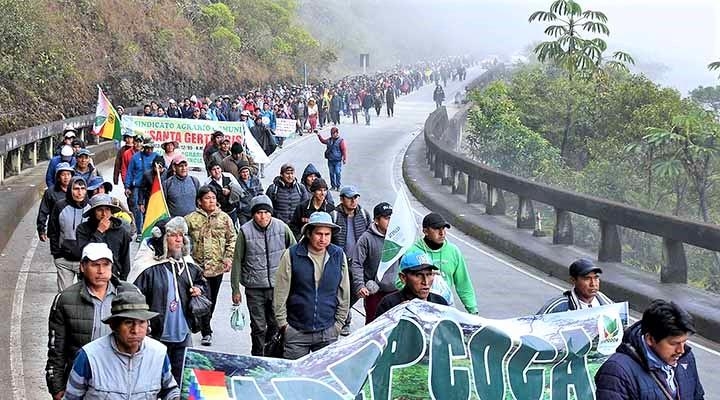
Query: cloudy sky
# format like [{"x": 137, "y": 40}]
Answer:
[{"x": 672, "y": 40}]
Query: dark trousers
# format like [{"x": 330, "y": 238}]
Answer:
[
  {"x": 263, "y": 325},
  {"x": 214, "y": 289},
  {"x": 176, "y": 354},
  {"x": 390, "y": 109}
]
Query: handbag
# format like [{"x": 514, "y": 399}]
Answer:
[
  {"x": 275, "y": 347},
  {"x": 199, "y": 307}
]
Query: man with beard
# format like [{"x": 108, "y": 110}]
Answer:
[{"x": 168, "y": 277}]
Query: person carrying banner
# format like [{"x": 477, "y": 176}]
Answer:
[
  {"x": 417, "y": 272},
  {"x": 585, "y": 277},
  {"x": 336, "y": 155},
  {"x": 312, "y": 289},
  {"x": 260, "y": 243},
  {"x": 124, "y": 363},
  {"x": 653, "y": 361},
  {"x": 168, "y": 277},
  {"x": 365, "y": 261},
  {"x": 449, "y": 260}
]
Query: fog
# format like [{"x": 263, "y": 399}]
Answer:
[{"x": 671, "y": 41}]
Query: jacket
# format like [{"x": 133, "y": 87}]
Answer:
[
  {"x": 264, "y": 137},
  {"x": 362, "y": 221},
  {"x": 50, "y": 197},
  {"x": 336, "y": 148},
  {"x": 70, "y": 327},
  {"x": 213, "y": 240},
  {"x": 453, "y": 269},
  {"x": 285, "y": 197},
  {"x": 229, "y": 164},
  {"x": 139, "y": 163},
  {"x": 117, "y": 237},
  {"x": 64, "y": 220},
  {"x": 102, "y": 371},
  {"x": 399, "y": 297},
  {"x": 304, "y": 210},
  {"x": 180, "y": 194},
  {"x": 310, "y": 169},
  {"x": 628, "y": 374},
  {"x": 257, "y": 254},
  {"x": 366, "y": 259},
  {"x": 568, "y": 302},
  {"x": 120, "y": 167},
  {"x": 51, "y": 172}
]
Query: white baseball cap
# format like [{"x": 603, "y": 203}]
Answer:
[{"x": 97, "y": 251}]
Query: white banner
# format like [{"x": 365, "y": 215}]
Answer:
[
  {"x": 284, "y": 127},
  {"x": 401, "y": 233}
]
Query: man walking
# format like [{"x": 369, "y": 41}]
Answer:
[
  {"x": 286, "y": 193},
  {"x": 312, "y": 285},
  {"x": 180, "y": 189},
  {"x": 212, "y": 235},
  {"x": 52, "y": 196},
  {"x": 585, "y": 277},
  {"x": 63, "y": 222},
  {"x": 653, "y": 361},
  {"x": 336, "y": 155},
  {"x": 260, "y": 243}
]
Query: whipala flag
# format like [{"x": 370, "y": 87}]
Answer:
[
  {"x": 107, "y": 120},
  {"x": 400, "y": 236}
]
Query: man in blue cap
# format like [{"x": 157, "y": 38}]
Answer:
[
  {"x": 585, "y": 277},
  {"x": 417, "y": 273}
]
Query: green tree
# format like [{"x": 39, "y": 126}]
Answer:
[
  {"x": 707, "y": 96},
  {"x": 713, "y": 66},
  {"x": 572, "y": 51}
]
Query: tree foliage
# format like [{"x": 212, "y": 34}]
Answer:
[{"x": 714, "y": 66}]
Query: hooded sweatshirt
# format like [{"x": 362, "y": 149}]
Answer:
[
  {"x": 310, "y": 169},
  {"x": 51, "y": 196},
  {"x": 64, "y": 220},
  {"x": 365, "y": 261}
]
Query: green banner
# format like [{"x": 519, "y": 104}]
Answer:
[{"x": 421, "y": 350}]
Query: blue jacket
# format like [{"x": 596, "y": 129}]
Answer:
[
  {"x": 627, "y": 374},
  {"x": 271, "y": 116},
  {"x": 52, "y": 166},
  {"x": 311, "y": 309},
  {"x": 139, "y": 163}
]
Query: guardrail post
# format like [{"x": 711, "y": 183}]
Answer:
[
  {"x": 2, "y": 169},
  {"x": 525, "y": 214},
  {"x": 474, "y": 190},
  {"x": 495, "y": 201},
  {"x": 34, "y": 154},
  {"x": 49, "y": 150},
  {"x": 674, "y": 269},
  {"x": 460, "y": 184},
  {"x": 439, "y": 167},
  {"x": 18, "y": 160},
  {"x": 448, "y": 176},
  {"x": 563, "y": 233},
  {"x": 610, "y": 244},
  {"x": 429, "y": 156}
]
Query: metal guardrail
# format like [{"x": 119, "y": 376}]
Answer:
[
  {"x": 482, "y": 184},
  {"x": 23, "y": 149}
]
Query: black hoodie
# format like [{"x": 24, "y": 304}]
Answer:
[{"x": 64, "y": 220}]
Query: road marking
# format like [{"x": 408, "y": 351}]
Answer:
[
  {"x": 401, "y": 186},
  {"x": 16, "y": 355}
]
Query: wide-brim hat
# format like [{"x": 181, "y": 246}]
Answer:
[
  {"x": 174, "y": 142},
  {"x": 130, "y": 304},
  {"x": 320, "y": 218},
  {"x": 101, "y": 200}
]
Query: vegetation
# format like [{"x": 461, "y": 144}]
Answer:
[
  {"x": 631, "y": 140},
  {"x": 57, "y": 51}
]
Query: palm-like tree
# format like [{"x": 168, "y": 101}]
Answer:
[
  {"x": 570, "y": 49},
  {"x": 713, "y": 66}
]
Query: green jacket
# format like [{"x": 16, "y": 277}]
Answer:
[{"x": 453, "y": 269}]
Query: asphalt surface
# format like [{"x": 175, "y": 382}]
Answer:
[{"x": 505, "y": 288}]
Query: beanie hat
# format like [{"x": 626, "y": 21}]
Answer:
[
  {"x": 286, "y": 167},
  {"x": 236, "y": 148},
  {"x": 318, "y": 183},
  {"x": 161, "y": 229},
  {"x": 261, "y": 202}
]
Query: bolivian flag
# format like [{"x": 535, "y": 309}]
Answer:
[
  {"x": 107, "y": 120},
  {"x": 156, "y": 207}
]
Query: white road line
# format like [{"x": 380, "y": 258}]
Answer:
[
  {"x": 16, "y": 355},
  {"x": 401, "y": 186}
]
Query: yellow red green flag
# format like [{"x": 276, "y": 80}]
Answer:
[
  {"x": 107, "y": 120},
  {"x": 156, "y": 207}
]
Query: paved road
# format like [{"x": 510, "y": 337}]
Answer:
[{"x": 505, "y": 287}]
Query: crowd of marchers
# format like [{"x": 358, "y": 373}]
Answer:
[{"x": 297, "y": 258}]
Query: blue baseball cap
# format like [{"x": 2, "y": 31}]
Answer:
[
  {"x": 349, "y": 192},
  {"x": 416, "y": 260}
]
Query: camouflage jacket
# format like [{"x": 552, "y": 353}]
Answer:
[{"x": 212, "y": 238}]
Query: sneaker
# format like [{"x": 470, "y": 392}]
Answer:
[
  {"x": 345, "y": 330},
  {"x": 206, "y": 340}
]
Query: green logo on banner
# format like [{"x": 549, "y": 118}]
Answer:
[{"x": 390, "y": 250}]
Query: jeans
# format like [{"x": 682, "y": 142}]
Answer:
[
  {"x": 298, "y": 344},
  {"x": 335, "y": 168},
  {"x": 262, "y": 318},
  {"x": 139, "y": 216},
  {"x": 367, "y": 115},
  {"x": 214, "y": 283}
]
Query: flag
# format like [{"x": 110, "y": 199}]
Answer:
[
  {"x": 208, "y": 385},
  {"x": 400, "y": 234},
  {"x": 107, "y": 120},
  {"x": 156, "y": 207}
]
